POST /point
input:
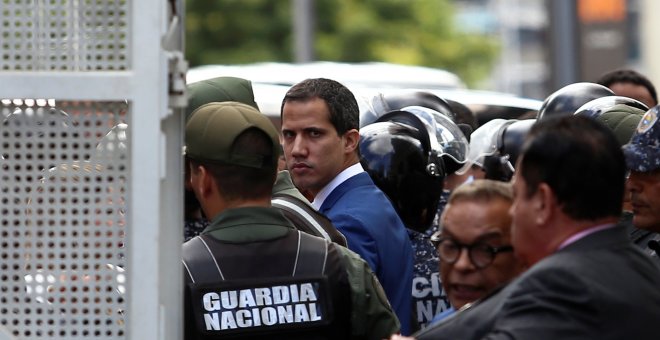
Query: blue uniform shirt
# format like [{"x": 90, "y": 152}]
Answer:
[{"x": 429, "y": 297}]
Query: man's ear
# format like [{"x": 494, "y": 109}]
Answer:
[
  {"x": 203, "y": 181},
  {"x": 545, "y": 203},
  {"x": 351, "y": 139}
]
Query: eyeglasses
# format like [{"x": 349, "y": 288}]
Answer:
[{"x": 481, "y": 254}]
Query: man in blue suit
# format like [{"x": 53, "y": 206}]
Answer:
[{"x": 320, "y": 139}]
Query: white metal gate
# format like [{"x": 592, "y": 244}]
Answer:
[{"x": 90, "y": 185}]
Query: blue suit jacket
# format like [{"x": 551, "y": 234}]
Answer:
[{"x": 374, "y": 230}]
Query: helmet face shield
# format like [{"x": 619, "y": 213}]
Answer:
[
  {"x": 373, "y": 106},
  {"x": 449, "y": 142},
  {"x": 495, "y": 146},
  {"x": 483, "y": 141}
]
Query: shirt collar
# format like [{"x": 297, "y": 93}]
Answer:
[
  {"x": 248, "y": 224},
  {"x": 584, "y": 233},
  {"x": 349, "y": 172}
]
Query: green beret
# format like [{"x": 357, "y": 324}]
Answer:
[
  {"x": 220, "y": 89},
  {"x": 213, "y": 128}
]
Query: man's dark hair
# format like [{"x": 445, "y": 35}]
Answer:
[
  {"x": 240, "y": 182},
  {"x": 344, "y": 111},
  {"x": 628, "y": 76},
  {"x": 582, "y": 162}
]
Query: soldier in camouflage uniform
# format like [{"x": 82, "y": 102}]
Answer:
[{"x": 643, "y": 160}]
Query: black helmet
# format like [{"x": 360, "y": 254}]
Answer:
[
  {"x": 598, "y": 106},
  {"x": 512, "y": 137},
  {"x": 569, "y": 98},
  {"x": 495, "y": 146},
  {"x": 449, "y": 141},
  {"x": 509, "y": 144},
  {"x": 399, "y": 156},
  {"x": 484, "y": 141},
  {"x": 380, "y": 104}
]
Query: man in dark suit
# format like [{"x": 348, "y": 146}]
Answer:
[
  {"x": 586, "y": 280},
  {"x": 320, "y": 139}
]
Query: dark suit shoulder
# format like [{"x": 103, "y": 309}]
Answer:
[{"x": 570, "y": 294}]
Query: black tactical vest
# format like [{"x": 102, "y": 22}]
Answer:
[{"x": 294, "y": 287}]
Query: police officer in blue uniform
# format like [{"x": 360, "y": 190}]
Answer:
[
  {"x": 407, "y": 154},
  {"x": 622, "y": 115},
  {"x": 643, "y": 160},
  {"x": 251, "y": 274}
]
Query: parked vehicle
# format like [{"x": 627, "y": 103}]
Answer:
[{"x": 270, "y": 81}]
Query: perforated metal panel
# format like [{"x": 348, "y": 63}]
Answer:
[
  {"x": 90, "y": 179},
  {"x": 64, "y": 186},
  {"x": 64, "y": 35}
]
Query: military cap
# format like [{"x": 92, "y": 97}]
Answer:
[
  {"x": 220, "y": 89},
  {"x": 643, "y": 151},
  {"x": 213, "y": 128}
]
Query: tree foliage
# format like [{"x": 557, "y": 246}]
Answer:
[{"x": 413, "y": 32}]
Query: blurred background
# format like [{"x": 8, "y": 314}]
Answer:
[{"x": 528, "y": 48}]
